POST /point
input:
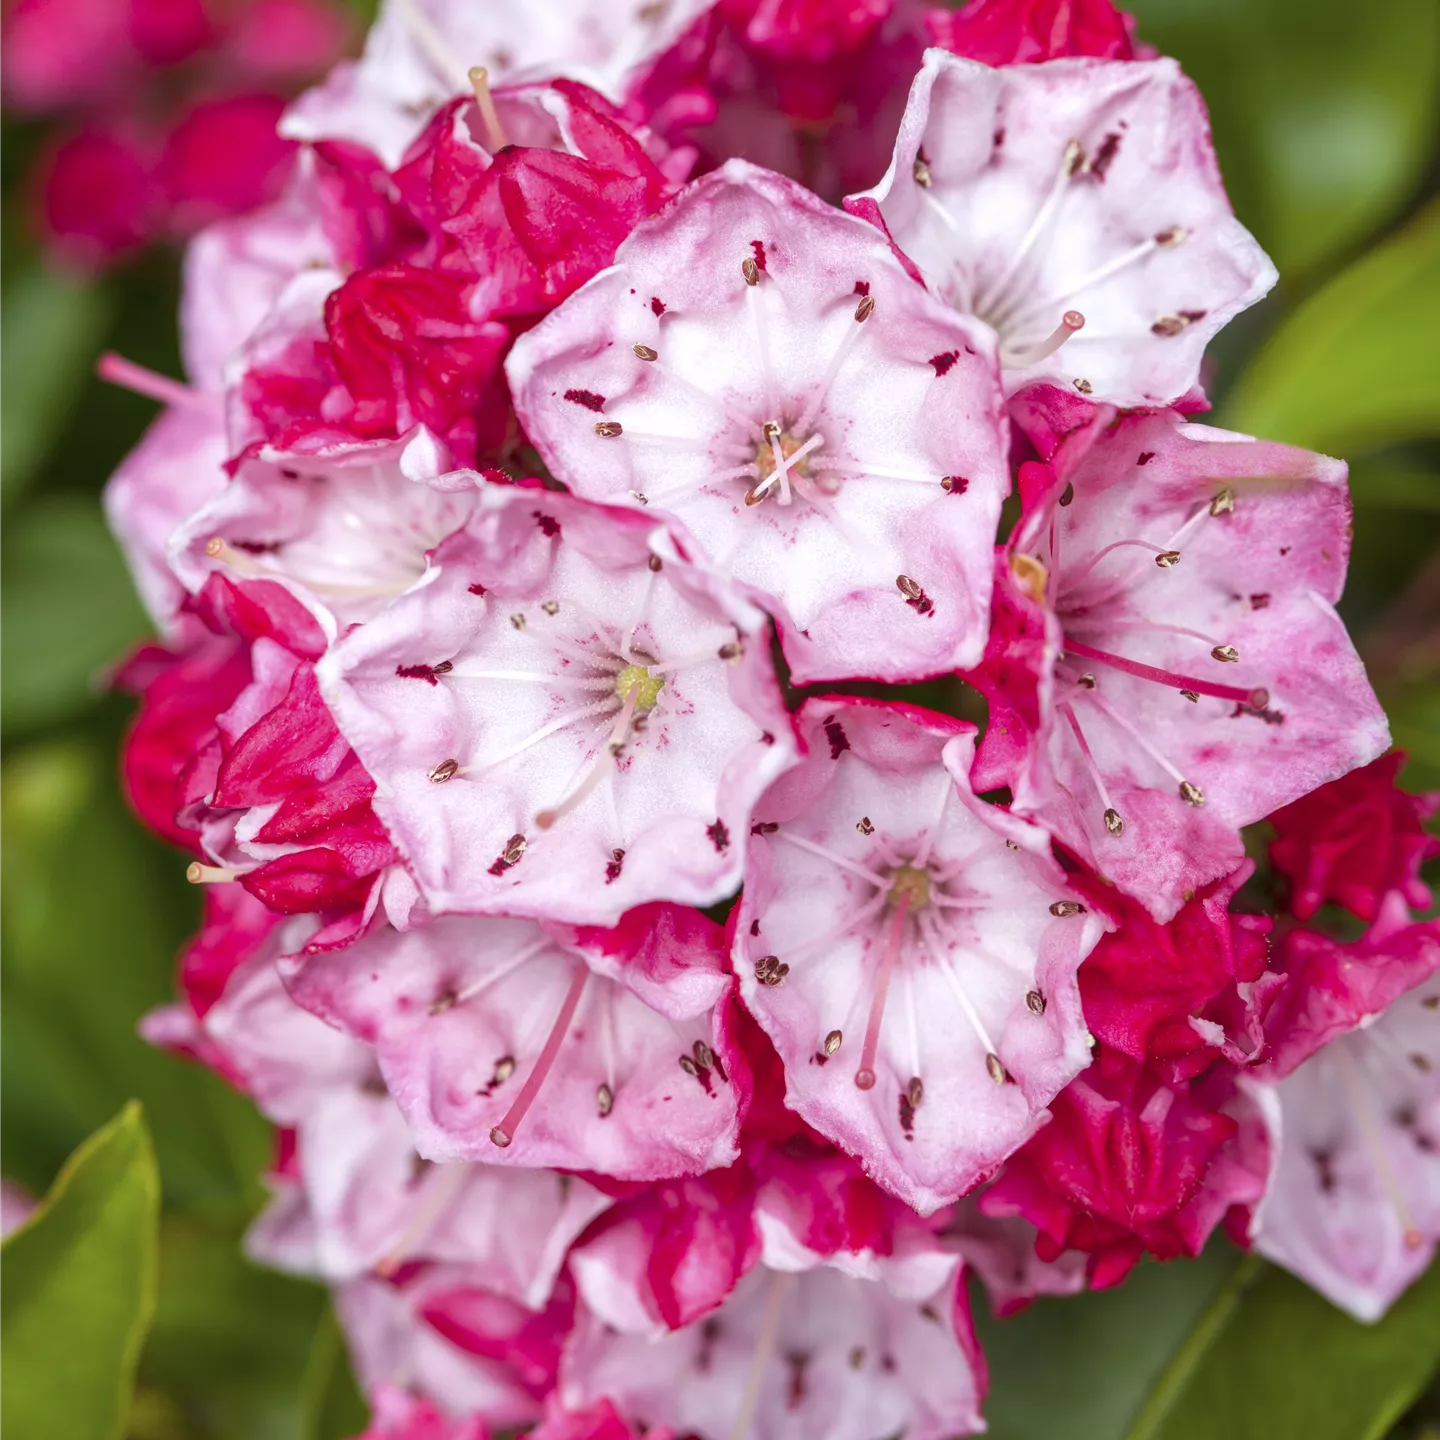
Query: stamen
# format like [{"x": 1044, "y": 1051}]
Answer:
[
  {"x": 198, "y": 874},
  {"x": 833, "y": 1041},
  {"x": 505, "y": 1065},
  {"x": 436, "y": 49},
  {"x": 1070, "y": 322},
  {"x": 1113, "y": 823},
  {"x": 129, "y": 376},
  {"x": 443, "y": 1191},
  {"x": 561, "y": 722},
  {"x": 881, "y": 882},
  {"x": 504, "y": 1132},
  {"x": 544, "y": 819},
  {"x": 821, "y": 392},
  {"x": 1148, "y": 748},
  {"x": 940, "y": 954},
  {"x": 1256, "y": 697},
  {"x": 764, "y": 1343},
  {"x": 1359, "y": 1105},
  {"x": 644, "y": 352},
  {"x": 609, "y": 429},
  {"x": 445, "y": 770},
  {"x": 1121, "y": 262},
  {"x": 494, "y": 130},
  {"x": 865, "y": 1075}
]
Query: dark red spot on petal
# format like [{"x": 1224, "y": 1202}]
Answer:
[
  {"x": 1105, "y": 155},
  {"x": 548, "y": 524},
  {"x": 657, "y": 304},
  {"x": 427, "y": 673},
  {"x": 1146, "y": 456},
  {"x": 862, "y": 287},
  {"x": 477, "y": 588},
  {"x": 719, "y": 836},
  {"x": 588, "y": 398},
  {"x": 835, "y": 734},
  {"x": 1260, "y": 601},
  {"x": 943, "y": 363},
  {"x": 758, "y": 247}
]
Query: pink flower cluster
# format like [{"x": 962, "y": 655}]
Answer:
[
  {"x": 168, "y": 108},
  {"x": 659, "y": 1014}
]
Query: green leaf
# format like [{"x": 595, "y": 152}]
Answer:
[
  {"x": 53, "y": 325},
  {"x": 1354, "y": 367},
  {"x": 70, "y": 610},
  {"x": 92, "y": 912},
  {"x": 1324, "y": 116},
  {"x": 1273, "y": 1358},
  {"x": 1080, "y": 1366},
  {"x": 79, "y": 1291},
  {"x": 1394, "y": 487}
]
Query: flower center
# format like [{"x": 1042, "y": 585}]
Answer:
[
  {"x": 637, "y": 680},
  {"x": 911, "y": 885},
  {"x": 789, "y": 446}
]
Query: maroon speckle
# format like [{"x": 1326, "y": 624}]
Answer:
[
  {"x": 754, "y": 927},
  {"x": 427, "y": 673},
  {"x": 758, "y": 246},
  {"x": 613, "y": 866},
  {"x": 289, "y": 474},
  {"x": 256, "y": 547},
  {"x": 795, "y": 1395},
  {"x": 500, "y": 865},
  {"x": 956, "y": 484},
  {"x": 1270, "y": 717},
  {"x": 657, "y": 305},
  {"x": 588, "y": 398},
  {"x": 548, "y": 524},
  {"x": 819, "y": 1058},
  {"x": 1284, "y": 550},
  {"x": 1260, "y": 601},
  {"x": 921, "y": 604},
  {"x": 835, "y": 734},
  {"x": 943, "y": 363},
  {"x": 862, "y": 287},
  {"x": 719, "y": 1068},
  {"x": 1192, "y": 315},
  {"x": 477, "y": 588},
  {"x": 1146, "y": 456},
  {"x": 766, "y": 738},
  {"x": 719, "y": 836},
  {"x": 998, "y": 138},
  {"x": 907, "y": 1115},
  {"x": 1109, "y": 148}
]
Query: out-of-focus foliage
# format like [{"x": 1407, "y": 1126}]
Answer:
[
  {"x": 80, "y": 1290},
  {"x": 1325, "y": 117}
]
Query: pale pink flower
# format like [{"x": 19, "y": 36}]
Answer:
[
  {"x": 911, "y": 950},
  {"x": 568, "y": 718},
  {"x": 760, "y": 364},
  {"x": 1078, "y": 193},
  {"x": 1353, "y": 1204},
  {"x": 1167, "y": 665},
  {"x": 505, "y": 1041}
]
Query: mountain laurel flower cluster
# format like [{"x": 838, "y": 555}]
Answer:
[{"x": 579, "y": 469}]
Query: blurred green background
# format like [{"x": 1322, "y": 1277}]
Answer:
[{"x": 1325, "y": 118}]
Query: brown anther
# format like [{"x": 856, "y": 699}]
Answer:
[
  {"x": 1086, "y": 681},
  {"x": 518, "y": 621},
  {"x": 1013, "y": 844},
  {"x": 731, "y": 650},
  {"x": 757, "y": 493},
  {"x": 1171, "y": 235},
  {"x": 764, "y": 827},
  {"x": 857, "y": 1357},
  {"x": 1431, "y": 1002},
  {"x": 1192, "y": 794},
  {"x": 864, "y": 826},
  {"x": 995, "y": 1068},
  {"x": 1031, "y": 574},
  {"x": 769, "y": 970},
  {"x": 1034, "y": 1002},
  {"x": 445, "y": 770},
  {"x": 1223, "y": 503},
  {"x": 639, "y": 497},
  {"x": 1168, "y": 559},
  {"x": 865, "y": 309},
  {"x": 1082, "y": 385},
  {"x": 750, "y": 270},
  {"x": 949, "y": 482},
  {"x": 1167, "y": 326},
  {"x": 771, "y": 430},
  {"x": 921, "y": 171},
  {"x": 655, "y": 563},
  {"x": 504, "y": 1069},
  {"x": 514, "y": 849},
  {"x": 644, "y": 352},
  {"x": 1228, "y": 653},
  {"x": 1067, "y": 495},
  {"x": 688, "y": 1065},
  {"x": 908, "y": 588},
  {"x": 832, "y": 1042},
  {"x": 442, "y": 1002},
  {"x": 1191, "y": 696},
  {"x": 1074, "y": 161},
  {"x": 915, "y": 1092},
  {"x": 1113, "y": 823},
  {"x": 608, "y": 429},
  {"x": 1062, "y": 909},
  {"x": 550, "y": 607},
  {"x": 1421, "y": 1062},
  {"x": 604, "y": 1100},
  {"x": 704, "y": 1055}
]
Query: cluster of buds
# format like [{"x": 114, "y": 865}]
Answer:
[{"x": 660, "y": 1012}]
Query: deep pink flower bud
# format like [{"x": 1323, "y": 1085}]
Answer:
[{"x": 1024, "y": 32}]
